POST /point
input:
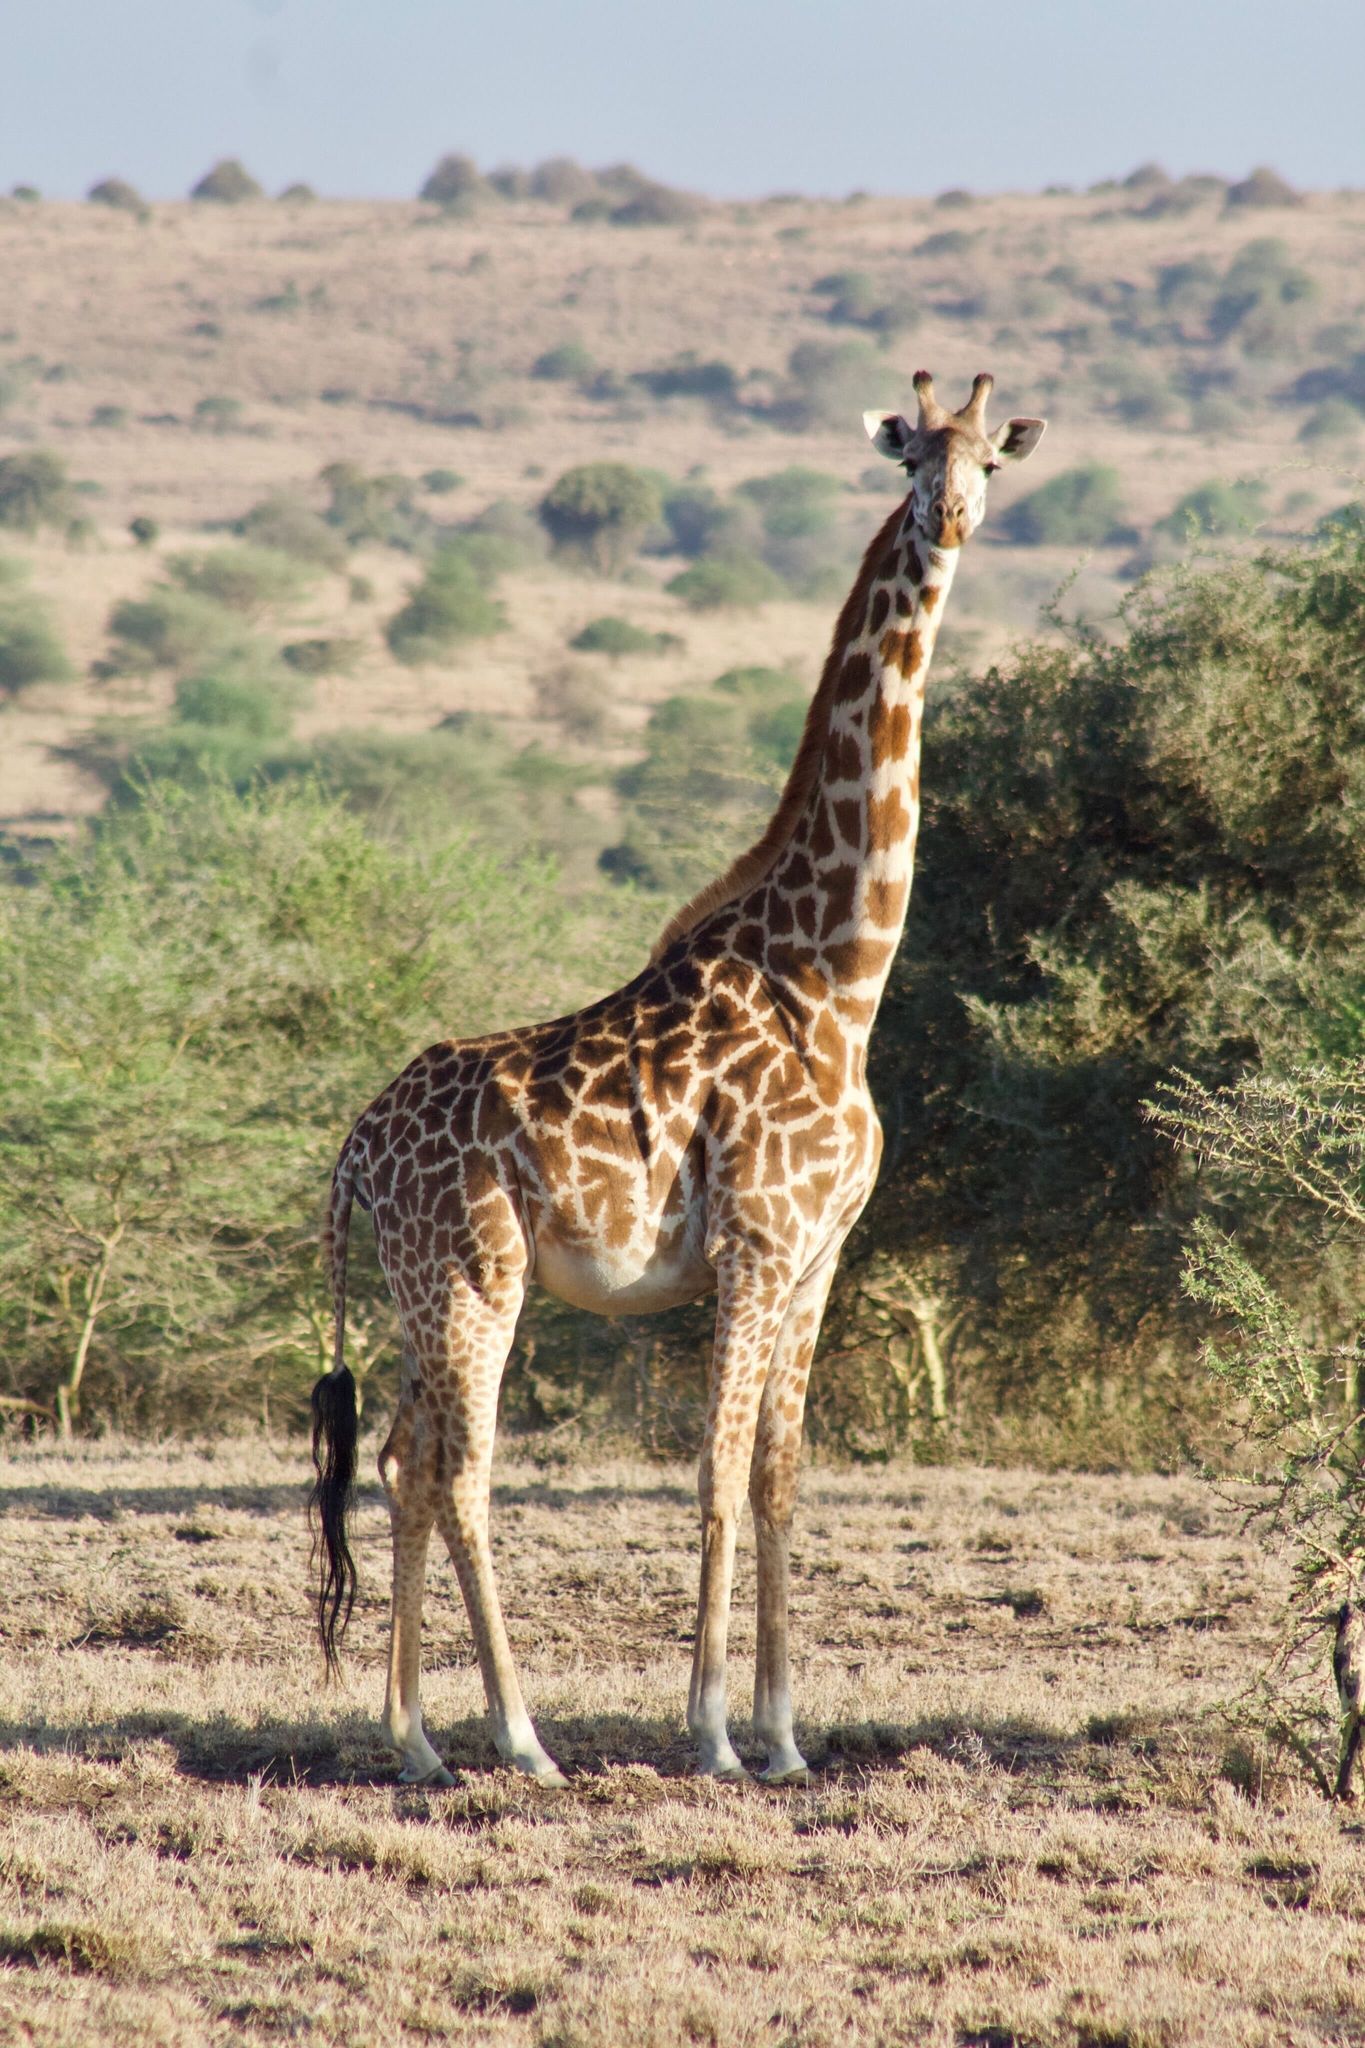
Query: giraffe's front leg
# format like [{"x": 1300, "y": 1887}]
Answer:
[
  {"x": 411, "y": 1495},
  {"x": 748, "y": 1318},
  {"x": 772, "y": 1496}
]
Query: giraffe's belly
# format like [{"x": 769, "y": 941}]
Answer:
[{"x": 634, "y": 1280}]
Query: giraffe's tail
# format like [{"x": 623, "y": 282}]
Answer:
[{"x": 335, "y": 1429}]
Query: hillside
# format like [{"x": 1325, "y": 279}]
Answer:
[{"x": 191, "y": 361}]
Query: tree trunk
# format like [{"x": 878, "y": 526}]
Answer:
[{"x": 69, "y": 1392}]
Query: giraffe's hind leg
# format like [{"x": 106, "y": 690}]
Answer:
[
  {"x": 407, "y": 1468},
  {"x": 461, "y": 1362}
]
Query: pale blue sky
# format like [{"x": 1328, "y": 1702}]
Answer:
[{"x": 732, "y": 97}]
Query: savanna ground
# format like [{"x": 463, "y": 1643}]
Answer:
[{"x": 1029, "y": 1820}]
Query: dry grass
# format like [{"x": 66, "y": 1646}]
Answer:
[{"x": 1025, "y": 1826}]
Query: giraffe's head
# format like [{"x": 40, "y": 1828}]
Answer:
[{"x": 948, "y": 456}]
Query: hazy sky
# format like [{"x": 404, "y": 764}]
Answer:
[{"x": 732, "y": 97}]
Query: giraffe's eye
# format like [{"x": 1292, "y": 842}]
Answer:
[{"x": 990, "y": 468}]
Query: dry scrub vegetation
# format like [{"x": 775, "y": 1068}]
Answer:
[{"x": 1027, "y": 1825}]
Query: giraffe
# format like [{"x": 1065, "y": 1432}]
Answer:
[{"x": 706, "y": 1127}]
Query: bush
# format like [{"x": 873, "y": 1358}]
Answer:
[
  {"x": 562, "y": 181},
  {"x": 144, "y": 531},
  {"x": 1214, "y": 507},
  {"x": 226, "y": 977},
  {"x": 857, "y": 300},
  {"x": 321, "y": 657},
  {"x": 568, "y": 363},
  {"x": 829, "y": 384},
  {"x": 297, "y": 194},
  {"x": 599, "y": 513},
  {"x": 657, "y": 206},
  {"x": 1262, "y": 298},
  {"x": 722, "y": 581},
  {"x": 450, "y": 604},
  {"x": 245, "y": 579},
  {"x": 234, "y": 696},
  {"x": 217, "y": 414},
  {"x": 1080, "y": 508},
  {"x": 119, "y": 194},
  {"x": 1263, "y": 188},
  {"x": 168, "y": 629},
  {"x": 34, "y": 491},
  {"x": 505, "y": 535},
  {"x": 286, "y": 526},
  {"x": 687, "y": 377},
  {"x": 109, "y": 416},
  {"x": 227, "y": 184},
  {"x": 455, "y": 180},
  {"x": 616, "y": 636},
  {"x": 441, "y": 482},
  {"x": 376, "y": 508},
  {"x": 30, "y": 651},
  {"x": 700, "y": 522}
]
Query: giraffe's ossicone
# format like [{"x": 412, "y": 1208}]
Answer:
[{"x": 708, "y": 1126}]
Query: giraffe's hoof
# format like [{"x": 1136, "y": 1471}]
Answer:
[
  {"x": 552, "y": 1780},
  {"x": 786, "y": 1774},
  {"x": 427, "y": 1779},
  {"x": 725, "y": 1774}
]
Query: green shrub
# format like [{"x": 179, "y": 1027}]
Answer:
[
  {"x": 297, "y": 194},
  {"x": 218, "y": 414},
  {"x": 441, "y": 482},
  {"x": 234, "y": 697},
  {"x": 562, "y": 182},
  {"x": 200, "y": 995},
  {"x": 857, "y": 300},
  {"x": 721, "y": 581},
  {"x": 119, "y": 194},
  {"x": 245, "y": 579},
  {"x": 111, "y": 416},
  {"x": 34, "y": 491},
  {"x": 455, "y": 181},
  {"x": 371, "y": 508},
  {"x": 1214, "y": 507},
  {"x": 599, "y": 512},
  {"x": 1082, "y": 507},
  {"x": 30, "y": 651},
  {"x": 1262, "y": 298},
  {"x": 449, "y": 605},
  {"x": 286, "y": 526},
  {"x": 168, "y": 629},
  {"x": 689, "y": 377},
  {"x": 505, "y": 535},
  {"x": 567, "y": 363},
  {"x": 145, "y": 532},
  {"x": 830, "y": 384},
  {"x": 653, "y": 205},
  {"x": 1264, "y": 187},
  {"x": 326, "y": 656},
  {"x": 701, "y": 522},
  {"x": 227, "y": 184},
  {"x": 616, "y": 636}
]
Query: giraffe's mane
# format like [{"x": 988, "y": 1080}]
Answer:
[{"x": 750, "y": 867}]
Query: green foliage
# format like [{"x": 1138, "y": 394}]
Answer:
[
  {"x": 30, "y": 651},
  {"x": 719, "y": 582},
  {"x": 857, "y": 300},
  {"x": 327, "y": 655},
  {"x": 830, "y": 384},
  {"x": 711, "y": 771},
  {"x": 567, "y": 363},
  {"x": 688, "y": 376},
  {"x": 374, "y": 508},
  {"x": 289, "y": 527},
  {"x": 1290, "y": 1149},
  {"x": 227, "y": 184},
  {"x": 449, "y": 605},
  {"x": 145, "y": 532},
  {"x": 200, "y": 995},
  {"x": 598, "y": 513},
  {"x": 244, "y": 579},
  {"x": 1134, "y": 857},
  {"x": 1082, "y": 507},
  {"x": 168, "y": 629},
  {"x": 1335, "y": 421},
  {"x": 701, "y": 522},
  {"x": 441, "y": 482},
  {"x": 218, "y": 414},
  {"x": 455, "y": 181},
  {"x": 34, "y": 491},
  {"x": 1215, "y": 507},
  {"x": 617, "y": 636},
  {"x": 119, "y": 194},
  {"x": 1262, "y": 299}
]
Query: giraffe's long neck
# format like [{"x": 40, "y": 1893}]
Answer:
[{"x": 834, "y": 902}]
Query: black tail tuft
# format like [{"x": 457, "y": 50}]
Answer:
[{"x": 335, "y": 1430}]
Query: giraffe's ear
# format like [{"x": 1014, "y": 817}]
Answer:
[
  {"x": 889, "y": 434},
  {"x": 1017, "y": 439}
]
